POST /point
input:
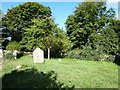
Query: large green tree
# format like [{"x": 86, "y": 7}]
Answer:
[
  {"x": 88, "y": 18},
  {"x": 106, "y": 40},
  {"x": 115, "y": 25},
  {"x": 20, "y": 17},
  {"x": 45, "y": 34}
]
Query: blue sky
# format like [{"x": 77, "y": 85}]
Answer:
[{"x": 60, "y": 10}]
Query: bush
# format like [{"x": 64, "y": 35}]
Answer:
[
  {"x": 13, "y": 46},
  {"x": 111, "y": 58},
  {"x": 87, "y": 53},
  {"x": 74, "y": 54},
  {"x": 8, "y": 56}
]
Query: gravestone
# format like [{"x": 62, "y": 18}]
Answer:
[
  {"x": 38, "y": 55},
  {"x": 15, "y": 53}
]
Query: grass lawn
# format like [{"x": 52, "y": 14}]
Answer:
[{"x": 67, "y": 73}]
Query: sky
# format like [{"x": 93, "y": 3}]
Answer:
[{"x": 60, "y": 10}]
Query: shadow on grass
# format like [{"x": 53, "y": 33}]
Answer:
[{"x": 31, "y": 78}]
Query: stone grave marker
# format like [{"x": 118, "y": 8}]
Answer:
[
  {"x": 15, "y": 53},
  {"x": 38, "y": 55}
]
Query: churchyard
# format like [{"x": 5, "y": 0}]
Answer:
[
  {"x": 56, "y": 72},
  {"x": 37, "y": 53}
]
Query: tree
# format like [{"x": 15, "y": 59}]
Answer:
[
  {"x": 115, "y": 25},
  {"x": 20, "y": 17},
  {"x": 108, "y": 38},
  {"x": 88, "y": 18},
  {"x": 36, "y": 33},
  {"x": 45, "y": 34},
  {"x": 3, "y": 35},
  {"x": 107, "y": 41}
]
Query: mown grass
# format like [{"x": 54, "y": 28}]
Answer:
[{"x": 70, "y": 72}]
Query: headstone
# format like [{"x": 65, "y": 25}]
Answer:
[
  {"x": 38, "y": 55},
  {"x": 15, "y": 52}
]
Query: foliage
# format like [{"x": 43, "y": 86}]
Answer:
[
  {"x": 73, "y": 54},
  {"x": 3, "y": 39},
  {"x": 59, "y": 44},
  {"x": 13, "y": 46},
  {"x": 88, "y": 18},
  {"x": 75, "y": 72},
  {"x": 8, "y": 56},
  {"x": 20, "y": 17},
  {"x": 4, "y": 44},
  {"x": 36, "y": 33},
  {"x": 94, "y": 32},
  {"x": 45, "y": 34},
  {"x": 115, "y": 25},
  {"x": 87, "y": 53},
  {"x": 107, "y": 39}
]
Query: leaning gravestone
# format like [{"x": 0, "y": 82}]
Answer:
[{"x": 38, "y": 55}]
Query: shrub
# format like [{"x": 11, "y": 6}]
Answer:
[
  {"x": 74, "y": 54},
  {"x": 13, "y": 46},
  {"x": 8, "y": 56},
  {"x": 87, "y": 53},
  {"x": 111, "y": 58}
]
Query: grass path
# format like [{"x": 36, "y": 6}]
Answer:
[{"x": 80, "y": 73}]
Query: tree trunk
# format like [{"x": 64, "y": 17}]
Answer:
[{"x": 48, "y": 53}]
